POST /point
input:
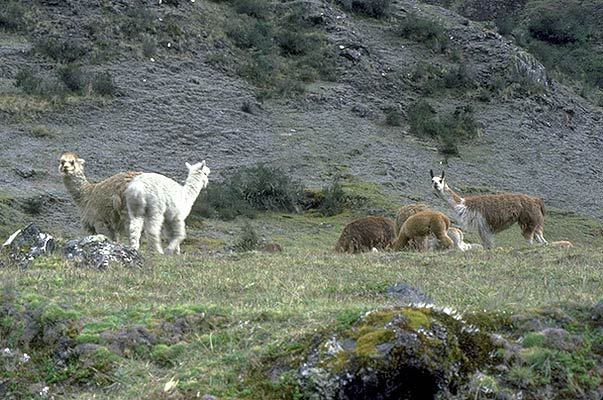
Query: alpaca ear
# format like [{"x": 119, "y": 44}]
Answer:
[{"x": 431, "y": 172}]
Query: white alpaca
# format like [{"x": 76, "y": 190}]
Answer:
[
  {"x": 493, "y": 213},
  {"x": 100, "y": 205},
  {"x": 155, "y": 201}
]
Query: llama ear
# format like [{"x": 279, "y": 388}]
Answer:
[
  {"x": 431, "y": 172},
  {"x": 202, "y": 164},
  {"x": 443, "y": 172},
  {"x": 81, "y": 161},
  {"x": 188, "y": 166}
]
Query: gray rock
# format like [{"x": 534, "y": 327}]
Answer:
[
  {"x": 27, "y": 244},
  {"x": 99, "y": 252},
  {"x": 407, "y": 294}
]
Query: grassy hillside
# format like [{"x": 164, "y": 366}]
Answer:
[{"x": 208, "y": 321}]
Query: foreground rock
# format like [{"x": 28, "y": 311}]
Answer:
[
  {"x": 398, "y": 353},
  {"x": 27, "y": 244},
  {"x": 97, "y": 251}
]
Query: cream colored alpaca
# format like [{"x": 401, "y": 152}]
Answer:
[
  {"x": 100, "y": 205},
  {"x": 155, "y": 201},
  {"x": 458, "y": 238},
  {"x": 493, "y": 213},
  {"x": 421, "y": 225}
]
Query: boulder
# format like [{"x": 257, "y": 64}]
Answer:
[
  {"x": 98, "y": 252},
  {"x": 27, "y": 244}
]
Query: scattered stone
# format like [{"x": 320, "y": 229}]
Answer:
[
  {"x": 351, "y": 54},
  {"x": 25, "y": 245},
  {"x": 98, "y": 252},
  {"x": 406, "y": 294}
]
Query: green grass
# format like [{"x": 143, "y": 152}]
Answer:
[{"x": 252, "y": 306}]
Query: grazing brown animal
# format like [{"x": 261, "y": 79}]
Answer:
[
  {"x": 406, "y": 212},
  {"x": 421, "y": 225},
  {"x": 493, "y": 213},
  {"x": 364, "y": 234}
]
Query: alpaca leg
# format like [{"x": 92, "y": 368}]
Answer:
[
  {"x": 444, "y": 239},
  {"x": 152, "y": 227},
  {"x": 135, "y": 230},
  {"x": 178, "y": 233},
  {"x": 400, "y": 242}
]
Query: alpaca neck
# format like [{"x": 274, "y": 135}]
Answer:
[
  {"x": 76, "y": 185},
  {"x": 192, "y": 187}
]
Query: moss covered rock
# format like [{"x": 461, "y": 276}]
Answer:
[{"x": 397, "y": 353}]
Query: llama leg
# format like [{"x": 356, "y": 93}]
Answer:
[
  {"x": 178, "y": 233},
  {"x": 444, "y": 239},
  {"x": 486, "y": 237},
  {"x": 528, "y": 234},
  {"x": 152, "y": 227},
  {"x": 540, "y": 236},
  {"x": 135, "y": 230}
]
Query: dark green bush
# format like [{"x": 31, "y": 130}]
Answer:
[
  {"x": 149, "y": 47},
  {"x": 248, "y": 240},
  {"x": 449, "y": 129},
  {"x": 253, "y": 8},
  {"x": 12, "y": 16},
  {"x": 29, "y": 82},
  {"x": 72, "y": 77},
  {"x": 432, "y": 34},
  {"x": 296, "y": 43},
  {"x": 559, "y": 25},
  {"x": 248, "y": 190},
  {"x": 393, "y": 116},
  {"x": 102, "y": 84},
  {"x": 372, "y": 8},
  {"x": 251, "y": 34},
  {"x": 333, "y": 200},
  {"x": 64, "y": 51},
  {"x": 138, "y": 20}
]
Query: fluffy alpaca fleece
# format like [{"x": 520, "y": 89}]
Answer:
[
  {"x": 101, "y": 205},
  {"x": 406, "y": 212},
  {"x": 563, "y": 244},
  {"x": 458, "y": 238},
  {"x": 421, "y": 225},
  {"x": 366, "y": 234},
  {"x": 493, "y": 213},
  {"x": 155, "y": 201}
]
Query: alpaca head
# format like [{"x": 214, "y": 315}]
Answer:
[
  {"x": 198, "y": 168},
  {"x": 70, "y": 164},
  {"x": 438, "y": 182}
]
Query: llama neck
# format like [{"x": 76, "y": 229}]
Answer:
[
  {"x": 76, "y": 185},
  {"x": 192, "y": 187},
  {"x": 451, "y": 197}
]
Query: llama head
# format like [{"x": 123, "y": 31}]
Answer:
[
  {"x": 438, "y": 182},
  {"x": 70, "y": 164}
]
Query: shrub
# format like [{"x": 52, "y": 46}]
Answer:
[
  {"x": 28, "y": 81},
  {"x": 65, "y": 51},
  {"x": 12, "y": 16},
  {"x": 250, "y": 189},
  {"x": 149, "y": 47},
  {"x": 250, "y": 34},
  {"x": 449, "y": 129},
  {"x": 295, "y": 43},
  {"x": 558, "y": 25},
  {"x": 333, "y": 199},
  {"x": 72, "y": 77},
  {"x": 372, "y": 8},
  {"x": 432, "y": 34},
  {"x": 253, "y": 8},
  {"x": 102, "y": 84},
  {"x": 248, "y": 240},
  {"x": 138, "y": 20},
  {"x": 393, "y": 116}
]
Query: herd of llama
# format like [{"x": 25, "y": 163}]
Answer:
[{"x": 132, "y": 202}]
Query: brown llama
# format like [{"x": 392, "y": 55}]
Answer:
[
  {"x": 421, "y": 225},
  {"x": 364, "y": 234},
  {"x": 493, "y": 213}
]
